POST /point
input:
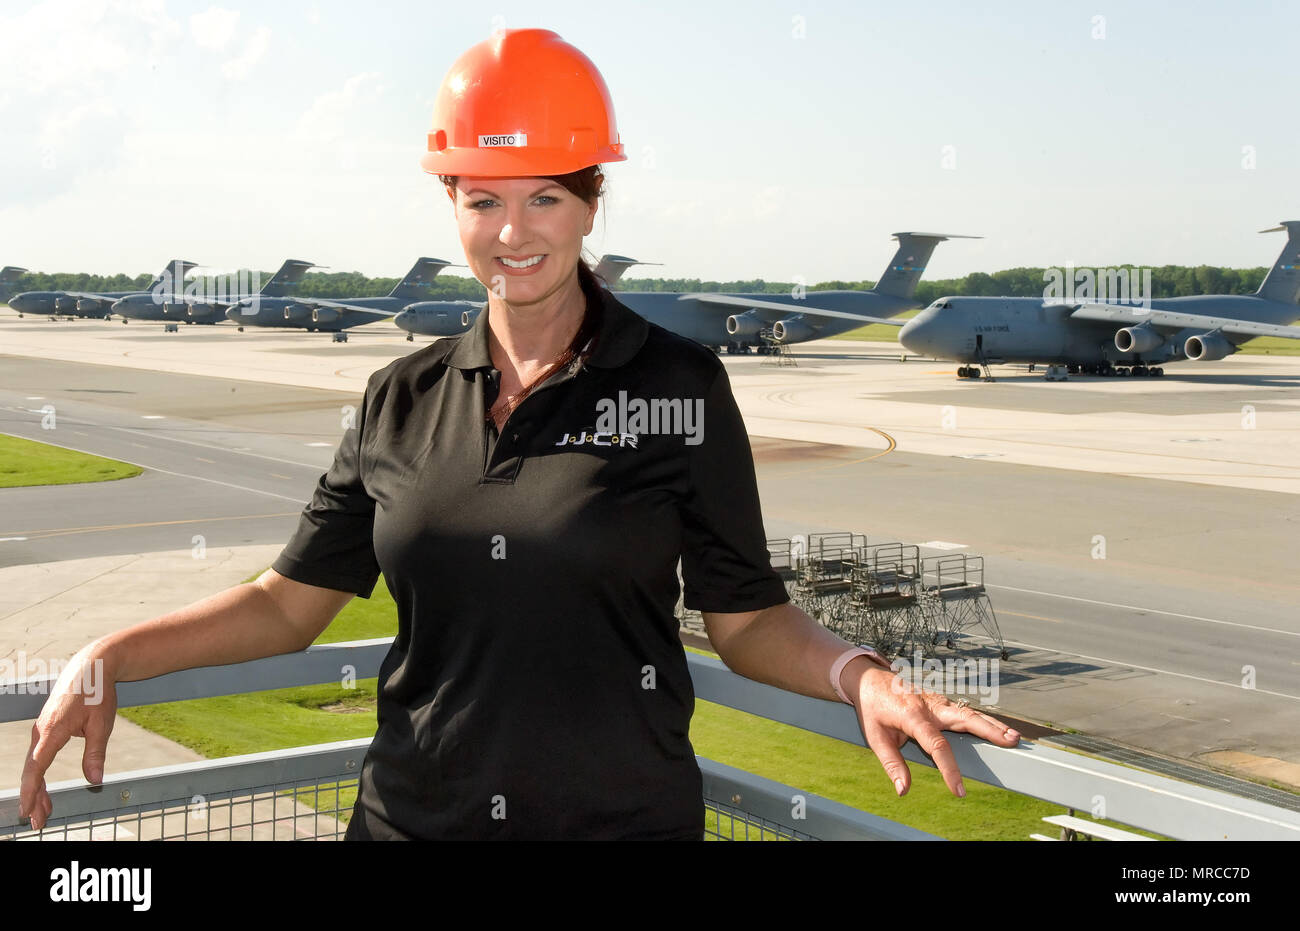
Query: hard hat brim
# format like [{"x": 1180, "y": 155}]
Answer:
[{"x": 515, "y": 162}]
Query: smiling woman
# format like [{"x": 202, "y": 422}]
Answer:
[{"x": 537, "y": 686}]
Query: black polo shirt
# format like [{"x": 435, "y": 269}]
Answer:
[{"x": 537, "y": 686}]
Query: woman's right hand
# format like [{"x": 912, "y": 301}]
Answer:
[{"x": 82, "y": 703}]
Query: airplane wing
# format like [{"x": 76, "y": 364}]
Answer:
[
  {"x": 98, "y": 297},
  {"x": 741, "y": 304},
  {"x": 315, "y": 302},
  {"x": 1172, "y": 320}
]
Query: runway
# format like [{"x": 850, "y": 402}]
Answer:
[{"x": 1188, "y": 497}]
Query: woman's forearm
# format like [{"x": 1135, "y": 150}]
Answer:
[
  {"x": 783, "y": 646},
  {"x": 241, "y": 623}
]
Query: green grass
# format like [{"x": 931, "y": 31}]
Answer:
[
  {"x": 877, "y": 332},
  {"x": 1271, "y": 346},
  {"x": 26, "y": 462},
  {"x": 294, "y": 717}
]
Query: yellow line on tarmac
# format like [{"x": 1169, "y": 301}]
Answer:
[
  {"x": 60, "y": 531},
  {"x": 893, "y": 445},
  {"x": 1037, "y": 617}
]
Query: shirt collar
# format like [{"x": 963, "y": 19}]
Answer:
[{"x": 622, "y": 334}]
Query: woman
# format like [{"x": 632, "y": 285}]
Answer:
[{"x": 527, "y": 491}]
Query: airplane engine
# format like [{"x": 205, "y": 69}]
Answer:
[
  {"x": 89, "y": 305},
  {"x": 744, "y": 326},
  {"x": 324, "y": 315},
  {"x": 1140, "y": 338},
  {"x": 468, "y": 317},
  {"x": 64, "y": 304},
  {"x": 175, "y": 309},
  {"x": 1208, "y": 347},
  {"x": 298, "y": 313},
  {"x": 792, "y": 330}
]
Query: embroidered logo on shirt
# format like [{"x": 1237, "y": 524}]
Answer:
[{"x": 588, "y": 438}]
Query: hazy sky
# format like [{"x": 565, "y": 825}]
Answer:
[{"x": 766, "y": 140}]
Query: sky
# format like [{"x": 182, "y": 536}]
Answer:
[{"x": 782, "y": 141}]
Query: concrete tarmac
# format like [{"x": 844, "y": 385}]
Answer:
[{"x": 1136, "y": 533}]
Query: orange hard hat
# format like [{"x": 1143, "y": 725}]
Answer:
[{"x": 523, "y": 103}]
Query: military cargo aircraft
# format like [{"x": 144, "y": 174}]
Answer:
[
  {"x": 335, "y": 316},
  {"x": 172, "y": 302},
  {"x": 1096, "y": 338},
  {"x": 84, "y": 303}
]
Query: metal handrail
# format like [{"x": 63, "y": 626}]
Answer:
[{"x": 1140, "y": 799}]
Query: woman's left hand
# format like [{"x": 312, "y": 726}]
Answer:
[{"x": 892, "y": 710}]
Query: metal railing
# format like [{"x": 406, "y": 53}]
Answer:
[{"x": 306, "y": 792}]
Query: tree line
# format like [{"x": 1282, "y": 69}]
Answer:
[{"x": 1167, "y": 281}]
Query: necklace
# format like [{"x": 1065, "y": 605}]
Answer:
[{"x": 583, "y": 338}]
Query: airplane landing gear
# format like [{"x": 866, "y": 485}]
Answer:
[{"x": 410, "y": 337}]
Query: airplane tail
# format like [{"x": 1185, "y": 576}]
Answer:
[
  {"x": 9, "y": 276},
  {"x": 908, "y": 264},
  {"x": 1282, "y": 283},
  {"x": 611, "y": 267},
  {"x": 172, "y": 278},
  {"x": 282, "y": 282},
  {"x": 415, "y": 286}
]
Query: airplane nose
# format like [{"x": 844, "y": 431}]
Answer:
[{"x": 917, "y": 334}]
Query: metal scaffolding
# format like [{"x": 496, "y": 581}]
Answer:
[{"x": 886, "y": 594}]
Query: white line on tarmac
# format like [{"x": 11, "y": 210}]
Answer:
[
  {"x": 1111, "y": 604},
  {"x": 197, "y": 478},
  {"x": 1163, "y": 672},
  {"x": 224, "y": 449}
]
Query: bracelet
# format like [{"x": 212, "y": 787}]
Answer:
[{"x": 837, "y": 668}]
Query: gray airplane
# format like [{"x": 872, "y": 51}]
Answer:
[
  {"x": 168, "y": 301},
  {"x": 452, "y": 318},
  {"x": 83, "y": 303},
  {"x": 9, "y": 276},
  {"x": 335, "y": 316},
  {"x": 1109, "y": 338},
  {"x": 741, "y": 322}
]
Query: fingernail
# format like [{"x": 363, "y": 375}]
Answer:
[
  {"x": 1013, "y": 733},
  {"x": 898, "y": 786},
  {"x": 961, "y": 790}
]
